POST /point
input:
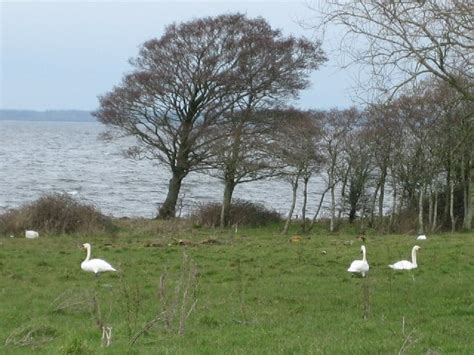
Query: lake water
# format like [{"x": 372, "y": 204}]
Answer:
[{"x": 45, "y": 157}]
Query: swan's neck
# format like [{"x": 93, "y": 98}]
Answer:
[
  {"x": 364, "y": 256},
  {"x": 88, "y": 248},
  {"x": 413, "y": 257}
]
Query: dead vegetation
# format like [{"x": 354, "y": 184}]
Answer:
[
  {"x": 181, "y": 242},
  {"x": 242, "y": 213},
  {"x": 55, "y": 213},
  {"x": 100, "y": 321},
  {"x": 72, "y": 301},
  {"x": 295, "y": 239},
  {"x": 31, "y": 335},
  {"x": 207, "y": 241},
  {"x": 175, "y": 307}
]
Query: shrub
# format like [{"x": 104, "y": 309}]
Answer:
[
  {"x": 55, "y": 213},
  {"x": 241, "y": 212}
]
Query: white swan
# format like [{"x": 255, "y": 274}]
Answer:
[
  {"x": 421, "y": 237},
  {"x": 31, "y": 234},
  {"x": 360, "y": 266},
  {"x": 94, "y": 265},
  {"x": 405, "y": 264}
]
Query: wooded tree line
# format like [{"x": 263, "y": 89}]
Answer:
[
  {"x": 211, "y": 95},
  {"x": 403, "y": 43},
  {"x": 417, "y": 148}
]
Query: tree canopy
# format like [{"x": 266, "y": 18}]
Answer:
[{"x": 185, "y": 82}]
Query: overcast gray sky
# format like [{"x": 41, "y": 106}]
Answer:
[{"x": 63, "y": 54}]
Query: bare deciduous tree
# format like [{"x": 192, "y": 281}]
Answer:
[
  {"x": 184, "y": 82},
  {"x": 274, "y": 69},
  {"x": 295, "y": 149},
  {"x": 359, "y": 160},
  {"x": 241, "y": 156},
  {"x": 335, "y": 125},
  {"x": 404, "y": 41},
  {"x": 384, "y": 135}
]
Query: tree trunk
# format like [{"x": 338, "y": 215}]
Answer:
[
  {"x": 352, "y": 213},
  {"x": 382, "y": 194},
  {"x": 230, "y": 174},
  {"x": 394, "y": 209},
  {"x": 374, "y": 201},
  {"x": 179, "y": 171},
  {"x": 362, "y": 219},
  {"x": 420, "y": 211},
  {"x": 305, "y": 200},
  {"x": 435, "y": 212},
  {"x": 430, "y": 208},
  {"x": 319, "y": 208},
  {"x": 469, "y": 195},
  {"x": 168, "y": 208},
  {"x": 447, "y": 195},
  {"x": 354, "y": 194},
  {"x": 470, "y": 212},
  {"x": 333, "y": 210},
  {"x": 451, "y": 206},
  {"x": 343, "y": 193},
  {"x": 394, "y": 205},
  {"x": 229, "y": 186},
  {"x": 294, "y": 185}
]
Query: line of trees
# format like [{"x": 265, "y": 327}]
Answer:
[
  {"x": 403, "y": 43},
  {"x": 211, "y": 96},
  {"x": 191, "y": 98},
  {"x": 417, "y": 148}
]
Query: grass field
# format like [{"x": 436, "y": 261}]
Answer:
[{"x": 253, "y": 292}]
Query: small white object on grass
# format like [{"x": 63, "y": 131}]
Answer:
[
  {"x": 360, "y": 266},
  {"x": 405, "y": 264},
  {"x": 31, "y": 234},
  {"x": 421, "y": 237},
  {"x": 94, "y": 265}
]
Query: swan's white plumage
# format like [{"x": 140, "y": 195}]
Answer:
[
  {"x": 405, "y": 264},
  {"x": 94, "y": 265},
  {"x": 31, "y": 234},
  {"x": 360, "y": 266}
]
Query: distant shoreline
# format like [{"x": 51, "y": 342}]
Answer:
[{"x": 49, "y": 115}]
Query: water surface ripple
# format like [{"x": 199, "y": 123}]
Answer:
[{"x": 44, "y": 157}]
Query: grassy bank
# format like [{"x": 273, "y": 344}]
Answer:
[{"x": 249, "y": 291}]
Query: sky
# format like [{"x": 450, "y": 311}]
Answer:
[{"x": 64, "y": 54}]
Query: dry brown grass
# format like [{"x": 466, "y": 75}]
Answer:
[{"x": 31, "y": 335}]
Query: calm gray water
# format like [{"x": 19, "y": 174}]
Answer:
[{"x": 44, "y": 157}]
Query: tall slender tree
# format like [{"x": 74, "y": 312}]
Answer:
[
  {"x": 359, "y": 160},
  {"x": 335, "y": 126},
  {"x": 271, "y": 72},
  {"x": 295, "y": 148}
]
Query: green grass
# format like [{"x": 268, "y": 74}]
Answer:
[{"x": 256, "y": 293}]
